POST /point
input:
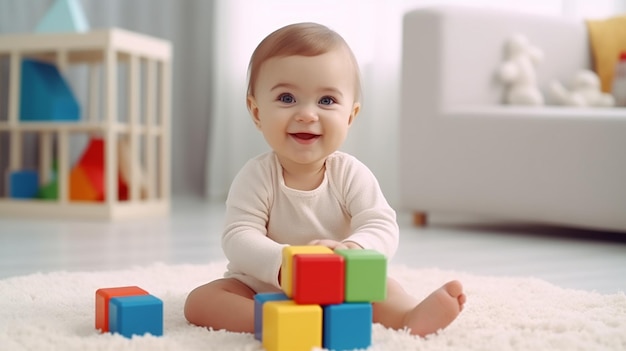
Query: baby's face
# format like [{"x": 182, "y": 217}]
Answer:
[{"x": 305, "y": 105}]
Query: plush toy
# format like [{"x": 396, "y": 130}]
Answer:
[
  {"x": 518, "y": 72},
  {"x": 585, "y": 91}
]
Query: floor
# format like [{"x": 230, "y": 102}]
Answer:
[{"x": 570, "y": 258}]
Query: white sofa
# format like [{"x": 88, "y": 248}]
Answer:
[{"x": 462, "y": 151}]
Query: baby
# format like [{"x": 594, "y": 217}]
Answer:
[{"x": 303, "y": 95}]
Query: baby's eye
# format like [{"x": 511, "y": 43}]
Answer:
[
  {"x": 327, "y": 100},
  {"x": 286, "y": 98}
]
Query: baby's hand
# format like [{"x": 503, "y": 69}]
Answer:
[
  {"x": 331, "y": 244},
  {"x": 352, "y": 245},
  {"x": 336, "y": 245}
]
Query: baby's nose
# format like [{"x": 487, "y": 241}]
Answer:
[{"x": 306, "y": 115}]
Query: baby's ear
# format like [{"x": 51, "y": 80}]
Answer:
[
  {"x": 254, "y": 110},
  {"x": 356, "y": 108}
]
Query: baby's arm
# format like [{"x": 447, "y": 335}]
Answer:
[
  {"x": 373, "y": 222},
  {"x": 245, "y": 239}
]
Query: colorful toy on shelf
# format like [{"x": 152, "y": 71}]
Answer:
[
  {"x": 126, "y": 163},
  {"x": 23, "y": 184},
  {"x": 81, "y": 187},
  {"x": 50, "y": 190},
  {"x": 63, "y": 16},
  {"x": 45, "y": 95},
  {"x": 315, "y": 275},
  {"x": 128, "y": 310},
  {"x": 87, "y": 175},
  {"x": 129, "y": 109}
]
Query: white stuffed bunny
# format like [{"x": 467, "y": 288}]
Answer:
[
  {"x": 518, "y": 72},
  {"x": 585, "y": 91}
]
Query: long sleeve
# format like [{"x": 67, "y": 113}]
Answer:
[
  {"x": 373, "y": 222},
  {"x": 244, "y": 240}
]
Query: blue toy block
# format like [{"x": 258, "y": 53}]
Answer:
[
  {"x": 45, "y": 95},
  {"x": 347, "y": 326},
  {"x": 23, "y": 184},
  {"x": 259, "y": 300},
  {"x": 136, "y": 315},
  {"x": 63, "y": 16}
]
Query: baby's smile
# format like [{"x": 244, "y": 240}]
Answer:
[{"x": 304, "y": 138}]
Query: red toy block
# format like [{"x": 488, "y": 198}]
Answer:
[
  {"x": 318, "y": 278},
  {"x": 104, "y": 295},
  {"x": 286, "y": 277},
  {"x": 92, "y": 161}
]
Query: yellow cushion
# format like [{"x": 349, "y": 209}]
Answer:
[{"x": 608, "y": 39}]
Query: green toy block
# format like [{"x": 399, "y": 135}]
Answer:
[
  {"x": 49, "y": 191},
  {"x": 366, "y": 275}
]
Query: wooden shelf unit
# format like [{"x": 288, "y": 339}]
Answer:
[{"x": 142, "y": 116}]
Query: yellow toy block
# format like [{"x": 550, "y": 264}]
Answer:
[
  {"x": 286, "y": 275},
  {"x": 288, "y": 326}
]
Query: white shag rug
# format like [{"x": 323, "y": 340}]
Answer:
[{"x": 55, "y": 311}]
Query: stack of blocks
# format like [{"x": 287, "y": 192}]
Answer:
[
  {"x": 326, "y": 301},
  {"x": 128, "y": 311}
]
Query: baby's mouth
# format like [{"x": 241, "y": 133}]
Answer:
[{"x": 305, "y": 136}]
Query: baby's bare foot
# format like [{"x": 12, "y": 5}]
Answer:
[{"x": 437, "y": 310}]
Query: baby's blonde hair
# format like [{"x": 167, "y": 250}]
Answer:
[{"x": 299, "y": 39}]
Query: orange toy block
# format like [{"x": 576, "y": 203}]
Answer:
[
  {"x": 102, "y": 302},
  {"x": 81, "y": 188}
]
